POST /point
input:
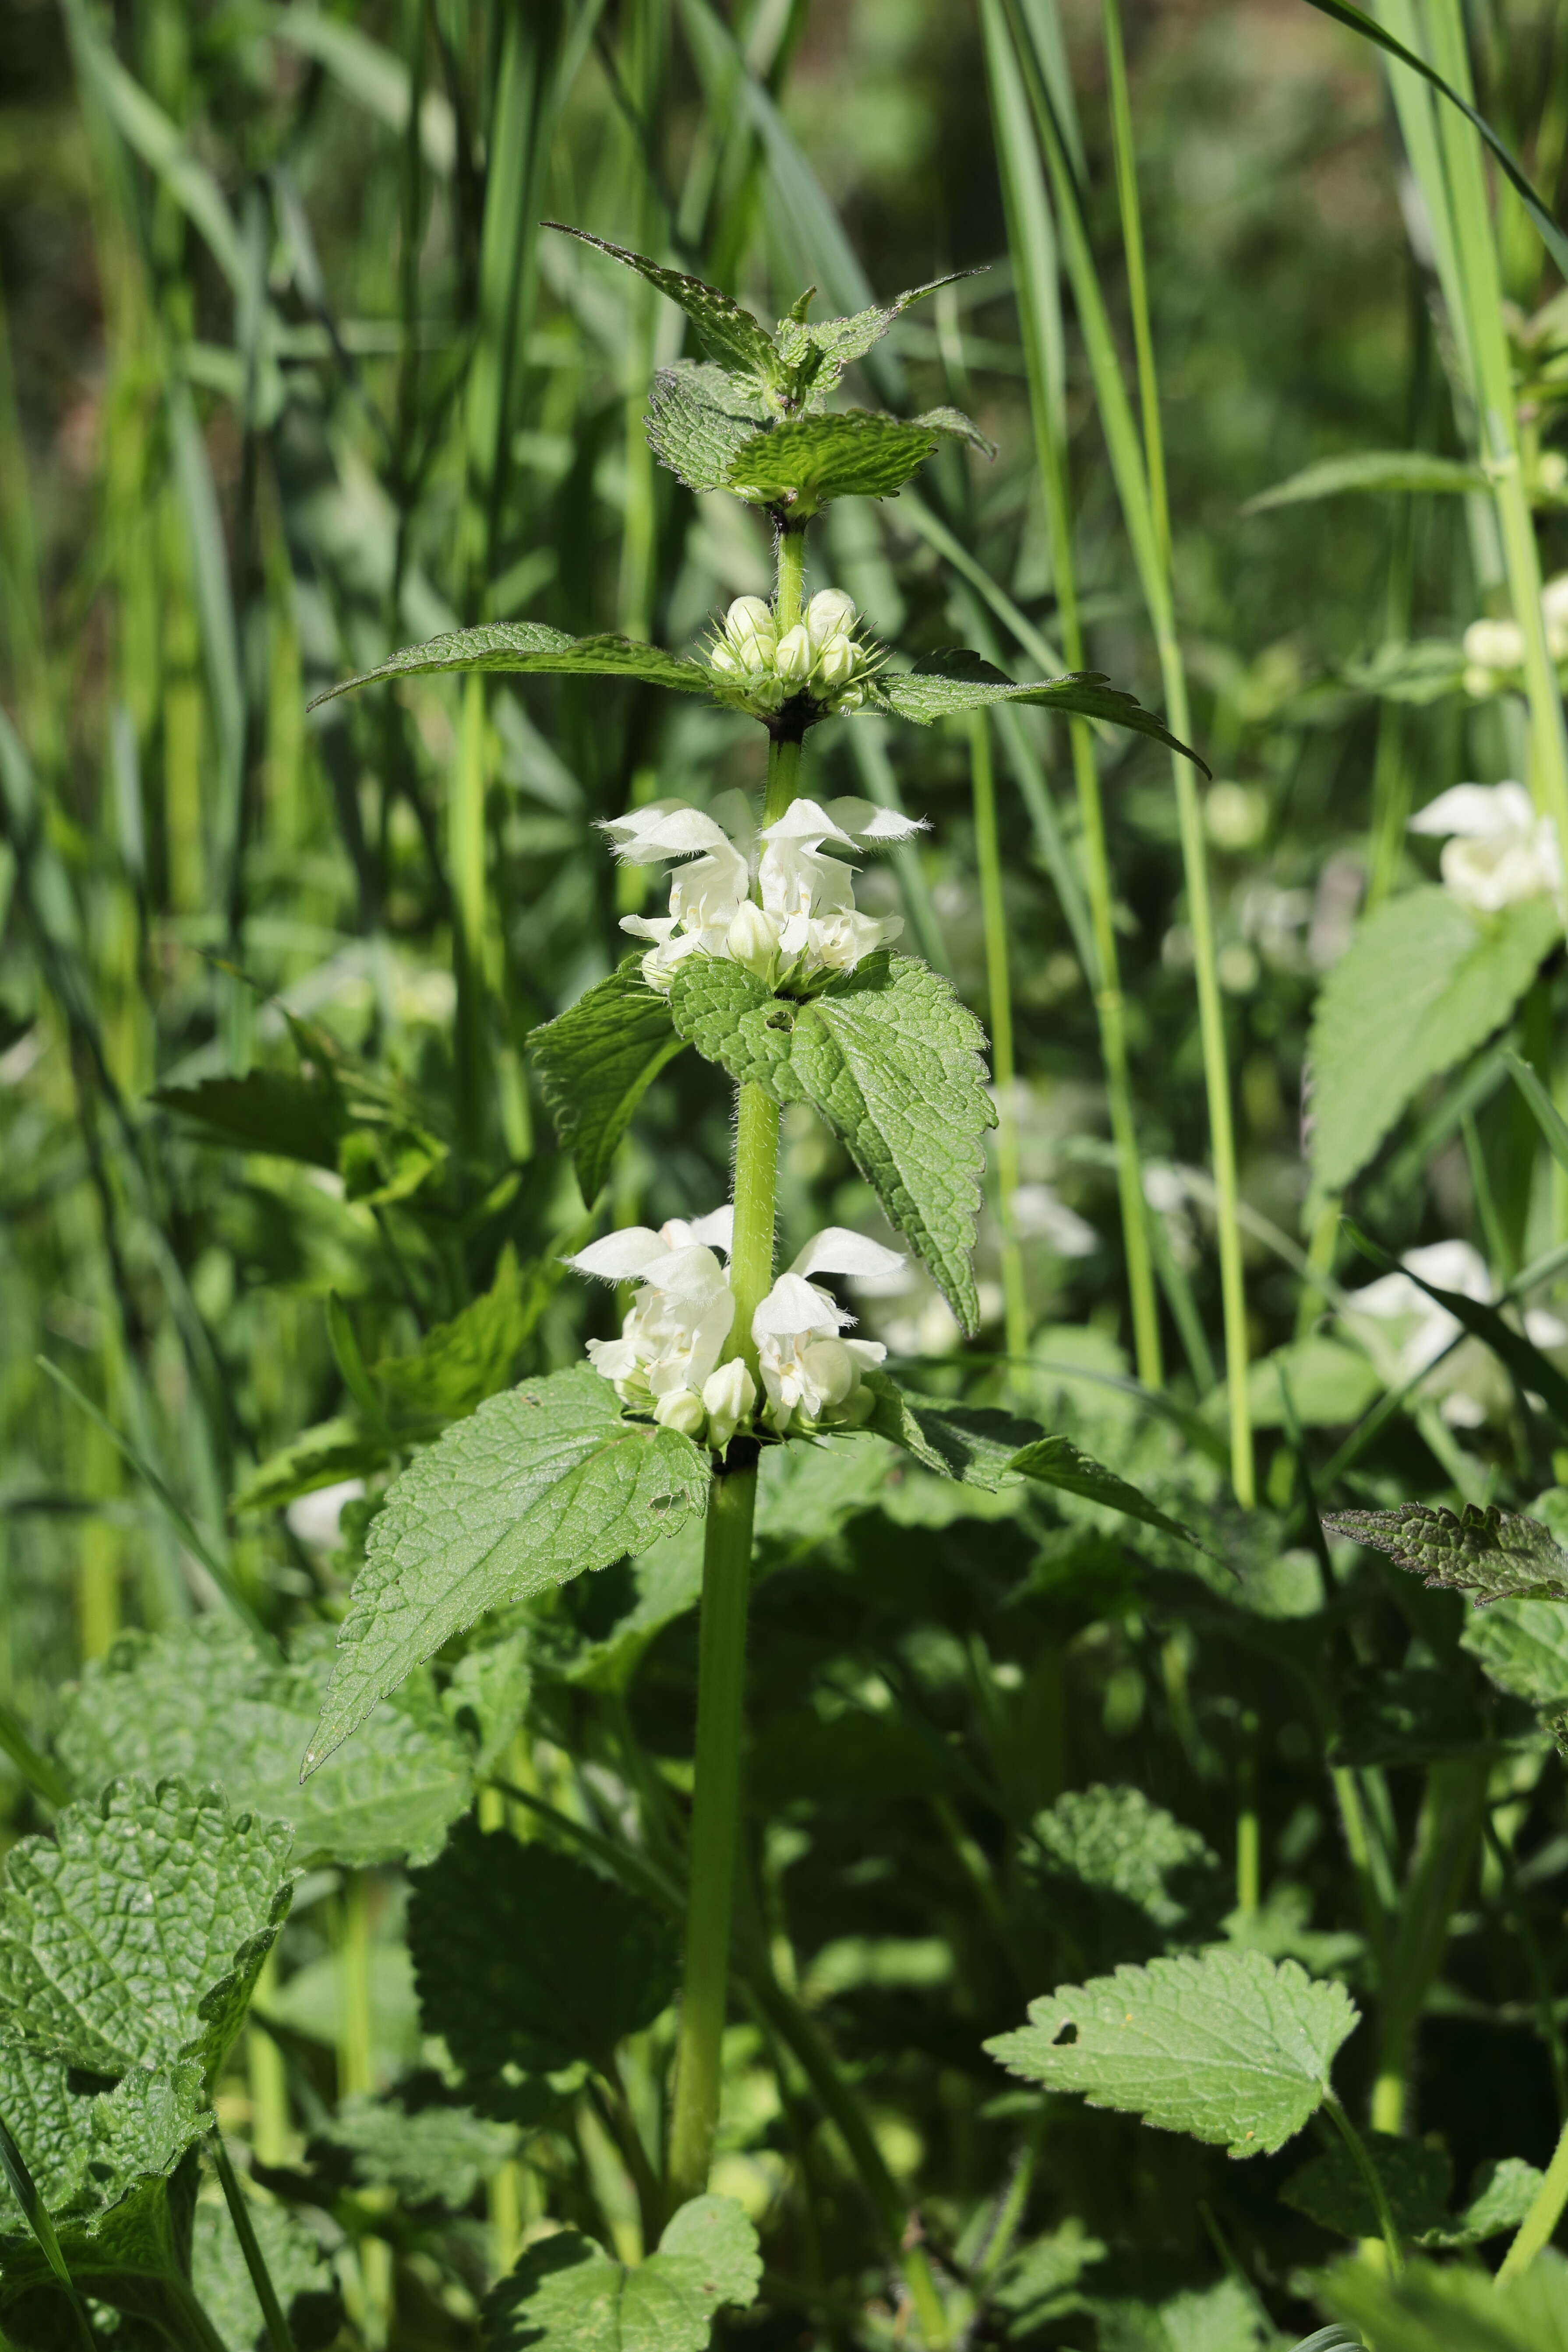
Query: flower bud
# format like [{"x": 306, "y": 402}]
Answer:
[
  {"x": 793, "y": 660},
  {"x": 681, "y": 1409},
  {"x": 835, "y": 664},
  {"x": 729, "y": 1395},
  {"x": 830, "y": 613},
  {"x": 752, "y": 632},
  {"x": 753, "y": 938},
  {"x": 723, "y": 660}
]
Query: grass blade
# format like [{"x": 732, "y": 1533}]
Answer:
[{"x": 25, "y": 2190}]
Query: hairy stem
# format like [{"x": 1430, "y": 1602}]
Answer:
[
  {"x": 790, "y": 586},
  {"x": 1535, "y": 2229},
  {"x": 715, "y": 1821}
]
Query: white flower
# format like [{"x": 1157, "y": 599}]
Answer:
[
  {"x": 1038, "y": 1213},
  {"x": 806, "y": 922},
  {"x": 676, "y": 1328},
  {"x": 813, "y": 1377},
  {"x": 1502, "y": 853},
  {"x": 729, "y": 1396},
  {"x": 1467, "y": 1384},
  {"x": 760, "y": 669}
]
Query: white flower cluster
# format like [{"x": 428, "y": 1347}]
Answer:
[
  {"x": 1502, "y": 852},
  {"x": 1468, "y": 1386},
  {"x": 757, "y": 668},
  {"x": 806, "y": 922},
  {"x": 1494, "y": 650},
  {"x": 666, "y": 1360}
]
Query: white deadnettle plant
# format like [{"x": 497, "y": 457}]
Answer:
[
  {"x": 1502, "y": 852},
  {"x": 803, "y": 923},
  {"x": 666, "y": 1360},
  {"x": 757, "y": 667}
]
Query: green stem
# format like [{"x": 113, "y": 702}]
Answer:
[
  {"x": 1370, "y": 2175},
  {"x": 465, "y": 866},
  {"x": 1029, "y": 233},
  {"x": 790, "y": 587},
  {"x": 784, "y": 778},
  {"x": 1137, "y": 276},
  {"x": 1535, "y": 2229},
  {"x": 715, "y": 1821},
  {"x": 249, "y": 2246},
  {"x": 988, "y": 856}
]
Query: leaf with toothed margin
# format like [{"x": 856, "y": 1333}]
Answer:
[
  {"x": 891, "y": 1060},
  {"x": 973, "y": 1444},
  {"x": 542, "y": 1483},
  {"x": 953, "y": 426},
  {"x": 833, "y": 343},
  {"x": 596, "y": 1060},
  {"x": 1227, "y": 2046},
  {"x": 134, "y": 1935},
  {"x": 956, "y": 680},
  {"x": 1058, "y": 1462},
  {"x": 529, "y": 648},
  {"x": 727, "y": 332},
  {"x": 698, "y": 416},
  {"x": 807, "y": 460},
  {"x": 1498, "y": 1555},
  {"x": 567, "y": 2294}
]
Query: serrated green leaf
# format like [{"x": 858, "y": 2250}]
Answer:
[
  {"x": 524, "y": 1957},
  {"x": 1496, "y": 1554},
  {"x": 596, "y": 1060},
  {"x": 529, "y": 648},
  {"x": 101, "y": 2161},
  {"x": 973, "y": 1444},
  {"x": 1370, "y": 469},
  {"x": 1502, "y": 2194},
  {"x": 1522, "y": 1646},
  {"x": 1451, "y": 2306},
  {"x": 806, "y": 461},
  {"x": 295, "y": 2264},
  {"x": 953, "y": 426},
  {"x": 698, "y": 416},
  {"x": 734, "y": 1019},
  {"x": 276, "y": 1111},
  {"x": 1420, "y": 986},
  {"x": 954, "y": 679},
  {"x": 199, "y": 1700},
  {"x": 567, "y": 2294},
  {"x": 458, "y": 1364},
  {"x": 726, "y": 331},
  {"x": 540, "y": 1484},
  {"x": 841, "y": 341},
  {"x": 1038, "y": 2285},
  {"x": 429, "y": 2156},
  {"x": 133, "y": 1935},
  {"x": 1114, "y": 1842},
  {"x": 333, "y": 1449},
  {"x": 1228, "y": 2047},
  {"x": 1222, "y": 2317},
  {"x": 1058, "y": 1462}
]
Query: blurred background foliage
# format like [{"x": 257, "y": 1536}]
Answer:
[{"x": 289, "y": 377}]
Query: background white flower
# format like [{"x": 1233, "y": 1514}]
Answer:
[
  {"x": 1502, "y": 853},
  {"x": 803, "y": 920},
  {"x": 1468, "y": 1383}
]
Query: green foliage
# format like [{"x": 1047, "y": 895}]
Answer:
[
  {"x": 699, "y": 417},
  {"x": 973, "y": 1444},
  {"x": 1370, "y": 469},
  {"x": 295, "y": 2264},
  {"x": 570, "y": 2297},
  {"x": 892, "y": 1062},
  {"x": 1219, "y": 2318},
  {"x": 954, "y": 680},
  {"x": 727, "y": 332},
  {"x": 1228, "y": 2047},
  {"x": 805, "y": 462},
  {"x": 1113, "y": 1842},
  {"x": 1417, "y": 2182},
  {"x": 528, "y": 647},
  {"x": 199, "y": 1700},
  {"x": 1498, "y": 1555},
  {"x": 428, "y": 2156},
  {"x": 1421, "y": 985},
  {"x": 133, "y": 1937},
  {"x": 595, "y": 1062},
  {"x": 1523, "y": 1647},
  {"x": 1058, "y": 1462},
  {"x": 1452, "y": 2308},
  {"x": 525, "y": 1958},
  {"x": 542, "y": 1483}
]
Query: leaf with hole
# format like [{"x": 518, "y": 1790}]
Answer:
[{"x": 1227, "y": 2046}]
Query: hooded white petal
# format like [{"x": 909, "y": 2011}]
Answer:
[
  {"x": 836, "y": 1250},
  {"x": 869, "y": 822},
  {"x": 1478, "y": 812},
  {"x": 623, "y": 1256}
]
